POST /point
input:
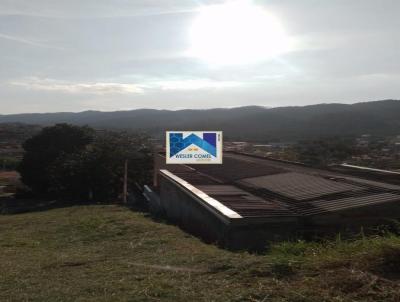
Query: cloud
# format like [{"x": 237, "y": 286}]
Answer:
[
  {"x": 28, "y": 41},
  {"x": 103, "y": 88},
  {"x": 132, "y": 54},
  {"x": 197, "y": 84},
  {"x": 95, "y": 8},
  {"x": 81, "y": 88}
]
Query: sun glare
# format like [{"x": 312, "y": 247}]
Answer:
[{"x": 236, "y": 32}]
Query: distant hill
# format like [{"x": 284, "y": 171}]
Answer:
[{"x": 250, "y": 123}]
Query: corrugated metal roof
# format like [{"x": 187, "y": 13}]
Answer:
[
  {"x": 322, "y": 206},
  {"x": 299, "y": 186},
  {"x": 257, "y": 187},
  {"x": 244, "y": 203},
  {"x": 372, "y": 183},
  {"x": 234, "y": 169}
]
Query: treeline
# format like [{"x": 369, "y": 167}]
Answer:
[
  {"x": 324, "y": 152},
  {"x": 245, "y": 123},
  {"x": 17, "y": 132},
  {"x": 78, "y": 163}
]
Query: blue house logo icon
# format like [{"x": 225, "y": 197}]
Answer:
[
  {"x": 177, "y": 143},
  {"x": 193, "y": 147}
]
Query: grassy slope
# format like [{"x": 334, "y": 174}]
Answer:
[{"x": 108, "y": 253}]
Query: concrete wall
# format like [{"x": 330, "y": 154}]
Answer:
[
  {"x": 259, "y": 236},
  {"x": 353, "y": 219},
  {"x": 186, "y": 209},
  {"x": 154, "y": 203}
]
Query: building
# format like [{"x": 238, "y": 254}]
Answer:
[{"x": 249, "y": 201}]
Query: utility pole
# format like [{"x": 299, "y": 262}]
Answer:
[{"x": 125, "y": 193}]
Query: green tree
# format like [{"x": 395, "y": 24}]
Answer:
[
  {"x": 78, "y": 163},
  {"x": 44, "y": 149},
  {"x": 325, "y": 151},
  {"x": 97, "y": 171}
]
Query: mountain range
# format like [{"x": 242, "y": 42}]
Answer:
[{"x": 247, "y": 123}]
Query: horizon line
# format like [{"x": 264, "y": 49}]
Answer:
[{"x": 198, "y": 109}]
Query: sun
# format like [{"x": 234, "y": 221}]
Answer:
[{"x": 236, "y": 32}]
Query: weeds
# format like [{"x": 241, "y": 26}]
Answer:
[{"x": 108, "y": 253}]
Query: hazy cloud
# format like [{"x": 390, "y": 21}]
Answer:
[
  {"x": 74, "y": 88},
  {"x": 196, "y": 84},
  {"x": 75, "y": 55},
  {"x": 27, "y": 41}
]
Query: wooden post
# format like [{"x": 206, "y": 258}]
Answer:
[{"x": 125, "y": 193}]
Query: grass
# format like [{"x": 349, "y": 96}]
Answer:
[{"x": 109, "y": 253}]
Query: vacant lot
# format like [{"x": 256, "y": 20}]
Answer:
[{"x": 109, "y": 253}]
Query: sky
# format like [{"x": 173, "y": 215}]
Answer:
[{"x": 74, "y": 55}]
